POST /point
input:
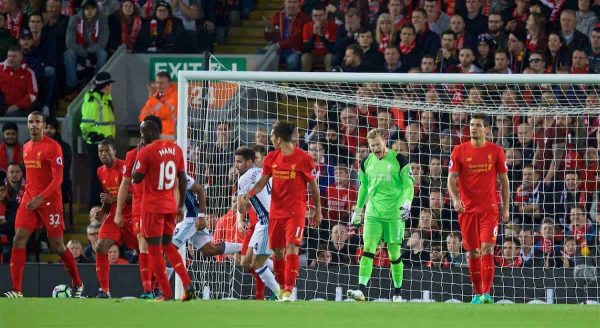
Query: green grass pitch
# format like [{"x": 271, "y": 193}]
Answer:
[{"x": 88, "y": 313}]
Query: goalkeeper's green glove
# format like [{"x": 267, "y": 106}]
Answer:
[
  {"x": 405, "y": 211},
  {"x": 356, "y": 217}
]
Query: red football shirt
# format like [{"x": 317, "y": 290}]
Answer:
[
  {"x": 160, "y": 162},
  {"x": 290, "y": 175},
  {"x": 110, "y": 179},
  {"x": 328, "y": 32},
  {"x": 477, "y": 169},
  {"x": 340, "y": 201},
  {"x": 136, "y": 189},
  {"x": 44, "y": 171}
]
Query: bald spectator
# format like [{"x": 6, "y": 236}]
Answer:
[
  {"x": 573, "y": 38},
  {"x": 18, "y": 84},
  {"x": 285, "y": 29},
  {"x": 579, "y": 62},
  {"x": 464, "y": 38}
]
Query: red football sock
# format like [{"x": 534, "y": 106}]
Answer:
[
  {"x": 145, "y": 272},
  {"x": 292, "y": 264},
  {"x": 259, "y": 293},
  {"x": 177, "y": 264},
  {"x": 475, "y": 272},
  {"x": 279, "y": 268},
  {"x": 71, "y": 267},
  {"x": 487, "y": 273},
  {"x": 160, "y": 269},
  {"x": 17, "y": 264},
  {"x": 103, "y": 271}
]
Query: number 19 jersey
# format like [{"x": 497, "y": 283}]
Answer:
[{"x": 160, "y": 162}]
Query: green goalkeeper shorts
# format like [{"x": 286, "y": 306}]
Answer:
[{"x": 392, "y": 231}]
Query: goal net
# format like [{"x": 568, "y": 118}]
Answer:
[{"x": 548, "y": 126}]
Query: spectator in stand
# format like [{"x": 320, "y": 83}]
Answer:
[
  {"x": 162, "y": 102},
  {"x": 217, "y": 164},
  {"x": 286, "y": 31},
  {"x": 323, "y": 259},
  {"x": 475, "y": 21},
  {"x": 582, "y": 230},
  {"x": 188, "y": 11},
  {"x": 11, "y": 150},
  {"x": 56, "y": 24},
  {"x": 434, "y": 180},
  {"x": 372, "y": 59},
  {"x": 162, "y": 33},
  {"x": 124, "y": 26},
  {"x": 527, "y": 253},
  {"x": 557, "y": 54},
  {"x": 586, "y": 18},
  {"x": 15, "y": 182},
  {"x": 464, "y": 38},
  {"x": 441, "y": 212},
  {"x": 16, "y": 19},
  {"x": 466, "y": 63},
  {"x": 514, "y": 161},
  {"x": 410, "y": 54},
  {"x": 346, "y": 35},
  {"x": 319, "y": 122},
  {"x": 353, "y": 60},
  {"x": 589, "y": 174},
  {"x": 392, "y": 60},
  {"x": 352, "y": 133},
  {"x": 516, "y": 15},
  {"x": 340, "y": 196},
  {"x": 52, "y": 130},
  {"x": 549, "y": 245},
  {"x": 337, "y": 152},
  {"x": 43, "y": 51},
  {"x": 6, "y": 39},
  {"x": 385, "y": 121},
  {"x": 92, "y": 234},
  {"x": 87, "y": 36},
  {"x": 418, "y": 151},
  {"x": 497, "y": 31},
  {"x": 486, "y": 46},
  {"x": 437, "y": 258},
  {"x": 17, "y": 83},
  {"x": 430, "y": 226},
  {"x": 530, "y": 197},
  {"x": 503, "y": 132},
  {"x": 77, "y": 249},
  {"x": 567, "y": 195},
  {"x": 437, "y": 20},
  {"x": 381, "y": 258},
  {"x": 428, "y": 64},
  {"x": 114, "y": 256},
  {"x": 8, "y": 210},
  {"x": 448, "y": 53},
  {"x": 455, "y": 255},
  {"x": 318, "y": 41},
  {"x": 594, "y": 51},
  {"x": 537, "y": 63},
  {"x": 415, "y": 254},
  {"x": 446, "y": 144},
  {"x": 501, "y": 62},
  {"x": 573, "y": 38},
  {"x": 579, "y": 62},
  {"x": 396, "y": 9},
  {"x": 518, "y": 54},
  {"x": 536, "y": 32},
  {"x": 426, "y": 40},
  {"x": 511, "y": 258},
  {"x": 316, "y": 150},
  {"x": 385, "y": 34},
  {"x": 95, "y": 215},
  {"x": 226, "y": 230},
  {"x": 341, "y": 246},
  {"x": 525, "y": 143}
]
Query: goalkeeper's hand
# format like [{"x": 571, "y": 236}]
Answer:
[
  {"x": 356, "y": 217},
  {"x": 405, "y": 211}
]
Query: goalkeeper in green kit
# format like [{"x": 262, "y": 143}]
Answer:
[{"x": 386, "y": 184}]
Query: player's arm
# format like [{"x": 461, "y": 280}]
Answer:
[
  {"x": 122, "y": 196},
  {"x": 361, "y": 198},
  {"x": 408, "y": 191},
  {"x": 201, "y": 196},
  {"x": 315, "y": 193},
  {"x": 452, "y": 184},
  {"x": 260, "y": 184},
  {"x": 56, "y": 166},
  {"x": 503, "y": 177}
]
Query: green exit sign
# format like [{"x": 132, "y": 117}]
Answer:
[{"x": 172, "y": 65}]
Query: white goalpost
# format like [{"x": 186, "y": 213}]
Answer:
[{"x": 548, "y": 125}]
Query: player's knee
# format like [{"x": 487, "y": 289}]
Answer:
[
  {"x": 278, "y": 253},
  {"x": 20, "y": 239},
  {"x": 473, "y": 254},
  {"x": 368, "y": 255},
  {"x": 103, "y": 246},
  {"x": 57, "y": 245},
  {"x": 209, "y": 249},
  {"x": 291, "y": 249},
  {"x": 166, "y": 239},
  {"x": 487, "y": 249},
  {"x": 396, "y": 261}
]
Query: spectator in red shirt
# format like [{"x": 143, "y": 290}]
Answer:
[
  {"x": 340, "y": 196},
  {"x": 15, "y": 17},
  {"x": 352, "y": 134},
  {"x": 17, "y": 83},
  {"x": 10, "y": 149},
  {"x": 285, "y": 29},
  {"x": 226, "y": 229},
  {"x": 318, "y": 41},
  {"x": 511, "y": 257},
  {"x": 114, "y": 256}
]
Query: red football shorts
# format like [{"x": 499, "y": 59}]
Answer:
[
  {"x": 286, "y": 231},
  {"x": 124, "y": 235},
  {"x": 247, "y": 238},
  {"x": 477, "y": 228},
  {"x": 157, "y": 224},
  {"x": 50, "y": 217}
]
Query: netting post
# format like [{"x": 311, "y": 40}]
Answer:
[{"x": 182, "y": 122}]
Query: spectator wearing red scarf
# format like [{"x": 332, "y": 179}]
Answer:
[
  {"x": 410, "y": 54},
  {"x": 511, "y": 257},
  {"x": 125, "y": 26},
  {"x": 162, "y": 33}
]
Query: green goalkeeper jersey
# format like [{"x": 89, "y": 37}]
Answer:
[{"x": 388, "y": 185}]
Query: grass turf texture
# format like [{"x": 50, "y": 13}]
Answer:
[{"x": 87, "y": 313}]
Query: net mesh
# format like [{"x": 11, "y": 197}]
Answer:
[{"x": 547, "y": 251}]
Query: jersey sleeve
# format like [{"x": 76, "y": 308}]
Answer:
[
  {"x": 180, "y": 162},
  {"x": 128, "y": 166},
  {"x": 363, "y": 189},
  {"x": 243, "y": 185},
  {"x": 55, "y": 160},
  {"x": 266, "y": 168},
  {"x": 309, "y": 169},
  {"x": 501, "y": 164},
  {"x": 407, "y": 179},
  {"x": 454, "y": 165},
  {"x": 141, "y": 164}
]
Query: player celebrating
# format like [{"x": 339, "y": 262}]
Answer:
[
  {"x": 386, "y": 180},
  {"x": 193, "y": 227},
  {"x": 159, "y": 164},
  {"x": 474, "y": 166},
  {"x": 41, "y": 205},
  {"x": 291, "y": 169},
  {"x": 258, "y": 253},
  {"x": 110, "y": 175}
]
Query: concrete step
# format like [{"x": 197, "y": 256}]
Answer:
[
  {"x": 240, "y": 31},
  {"x": 246, "y": 40},
  {"x": 258, "y": 14},
  {"x": 253, "y": 23},
  {"x": 50, "y": 258},
  {"x": 81, "y": 218},
  {"x": 237, "y": 49},
  {"x": 81, "y": 237},
  {"x": 270, "y": 5}
]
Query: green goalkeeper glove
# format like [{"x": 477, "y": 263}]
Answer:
[{"x": 356, "y": 217}]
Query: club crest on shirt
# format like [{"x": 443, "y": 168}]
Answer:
[
  {"x": 59, "y": 161},
  {"x": 469, "y": 159}
]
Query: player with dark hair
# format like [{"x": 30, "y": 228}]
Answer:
[
  {"x": 110, "y": 175},
  {"x": 291, "y": 169},
  {"x": 160, "y": 164},
  {"x": 474, "y": 167},
  {"x": 41, "y": 205}
]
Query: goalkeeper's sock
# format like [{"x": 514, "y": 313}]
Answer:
[
  {"x": 268, "y": 278},
  {"x": 103, "y": 271},
  {"x": 487, "y": 273},
  {"x": 279, "y": 269},
  {"x": 177, "y": 264},
  {"x": 397, "y": 273},
  {"x": 160, "y": 269},
  {"x": 71, "y": 266},
  {"x": 232, "y": 248},
  {"x": 475, "y": 273},
  {"x": 145, "y": 272},
  {"x": 292, "y": 264},
  {"x": 17, "y": 264},
  {"x": 259, "y": 293},
  {"x": 366, "y": 268}
]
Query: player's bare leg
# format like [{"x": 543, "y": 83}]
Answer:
[
  {"x": 279, "y": 267},
  {"x": 145, "y": 268},
  {"x": 58, "y": 246},
  {"x": 246, "y": 262},
  {"x": 17, "y": 262},
  {"x": 177, "y": 263},
  {"x": 103, "y": 267},
  {"x": 260, "y": 267},
  {"x": 487, "y": 272}
]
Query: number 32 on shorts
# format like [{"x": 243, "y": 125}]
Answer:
[{"x": 54, "y": 219}]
